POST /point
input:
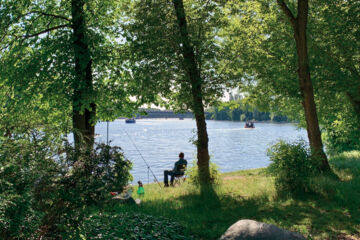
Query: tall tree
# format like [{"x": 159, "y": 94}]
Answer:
[
  {"x": 174, "y": 59},
  {"x": 299, "y": 25},
  {"x": 59, "y": 63},
  {"x": 260, "y": 47},
  {"x": 83, "y": 117},
  {"x": 196, "y": 90},
  {"x": 261, "y": 54},
  {"x": 333, "y": 31}
]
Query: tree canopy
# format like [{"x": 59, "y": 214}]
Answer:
[
  {"x": 67, "y": 64},
  {"x": 37, "y": 60}
]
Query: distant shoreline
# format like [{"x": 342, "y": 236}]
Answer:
[{"x": 163, "y": 118}]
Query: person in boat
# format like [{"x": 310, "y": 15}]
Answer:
[
  {"x": 173, "y": 172},
  {"x": 249, "y": 125}
]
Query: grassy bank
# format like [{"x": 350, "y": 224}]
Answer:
[{"x": 333, "y": 212}]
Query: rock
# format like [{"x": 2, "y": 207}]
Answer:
[{"x": 251, "y": 230}]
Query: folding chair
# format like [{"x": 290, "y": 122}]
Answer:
[{"x": 180, "y": 174}]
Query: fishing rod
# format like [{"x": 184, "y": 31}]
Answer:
[{"x": 148, "y": 166}]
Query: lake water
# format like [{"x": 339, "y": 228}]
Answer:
[{"x": 231, "y": 146}]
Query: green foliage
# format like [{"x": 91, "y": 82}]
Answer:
[
  {"x": 261, "y": 55},
  {"x": 241, "y": 110},
  {"x": 45, "y": 187},
  {"x": 193, "y": 174},
  {"x": 23, "y": 161},
  {"x": 335, "y": 49},
  {"x": 341, "y": 131},
  {"x": 292, "y": 166},
  {"x": 131, "y": 226},
  {"x": 242, "y": 117},
  {"x": 154, "y": 54},
  {"x": 346, "y": 191},
  {"x": 342, "y": 136},
  {"x": 251, "y": 194},
  {"x": 80, "y": 183},
  {"x": 37, "y": 60}
]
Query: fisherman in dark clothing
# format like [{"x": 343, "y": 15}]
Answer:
[{"x": 173, "y": 172}]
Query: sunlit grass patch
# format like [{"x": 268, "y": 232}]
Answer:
[
  {"x": 249, "y": 172},
  {"x": 347, "y": 165},
  {"x": 331, "y": 212}
]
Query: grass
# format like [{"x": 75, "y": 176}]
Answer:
[{"x": 332, "y": 213}]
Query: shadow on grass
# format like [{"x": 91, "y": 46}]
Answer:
[
  {"x": 205, "y": 215},
  {"x": 333, "y": 210},
  {"x": 311, "y": 217},
  {"x": 209, "y": 217}
]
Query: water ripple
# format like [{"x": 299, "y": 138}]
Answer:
[{"x": 159, "y": 141}]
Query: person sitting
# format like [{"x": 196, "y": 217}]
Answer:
[{"x": 174, "y": 172}]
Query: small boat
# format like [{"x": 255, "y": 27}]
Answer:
[
  {"x": 249, "y": 125},
  {"x": 130, "y": 120}
]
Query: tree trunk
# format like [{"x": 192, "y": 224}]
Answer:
[
  {"x": 83, "y": 119},
  {"x": 299, "y": 25},
  {"x": 196, "y": 90}
]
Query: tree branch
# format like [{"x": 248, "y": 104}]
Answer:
[
  {"x": 32, "y": 35},
  {"x": 49, "y": 14},
  {"x": 46, "y": 30},
  {"x": 287, "y": 12}
]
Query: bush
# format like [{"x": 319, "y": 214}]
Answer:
[
  {"x": 80, "y": 183},
  {"x": 292, "y": 166},
  {"x": 193, "y": 174},
  {"x": 23, "y": 160},
  {"x": 341, "y": 132},
  {"x": 342, "y": 135},
  {"x": 46, "y": 186}
]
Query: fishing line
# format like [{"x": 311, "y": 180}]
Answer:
[{"x": 149, "y": 168}]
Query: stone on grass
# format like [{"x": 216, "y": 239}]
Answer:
[{"x": 247, "y": 229}]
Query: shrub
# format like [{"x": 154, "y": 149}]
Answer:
[
  {"x": 193, "y": 174},
  {"x": 292, "y": 167},
  {"x": 23, "y": 160},
  {"x": 46, "y": 186},
  {"x": 81, "y": 182},
  {"x": 342, "y": 133}
]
